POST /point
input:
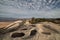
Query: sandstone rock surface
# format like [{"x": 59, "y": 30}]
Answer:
[{"x": 20, "y": 31}]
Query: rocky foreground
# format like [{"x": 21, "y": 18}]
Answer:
[{"x": 24, "y": 30}]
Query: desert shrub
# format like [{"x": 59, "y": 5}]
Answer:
[{"x": 37, "y": 20}]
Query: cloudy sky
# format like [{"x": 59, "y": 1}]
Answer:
[{"x": 30, "y": 8}]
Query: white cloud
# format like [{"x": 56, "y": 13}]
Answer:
[{"x": 12, "y": 9}]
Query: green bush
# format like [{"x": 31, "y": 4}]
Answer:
[{"x": 37, "y": 20}]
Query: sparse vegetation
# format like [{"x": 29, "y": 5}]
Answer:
[{"x": 37, "y": 20}]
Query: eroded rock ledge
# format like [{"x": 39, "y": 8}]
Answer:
[{"x": 24, "y": 30}]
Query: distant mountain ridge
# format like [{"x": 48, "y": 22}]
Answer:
[
  {"x": 7, "y": 19},
  {"x": 14, "y": 19}
]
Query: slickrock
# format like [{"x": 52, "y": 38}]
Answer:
[{"x": 27, "y": 31}]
